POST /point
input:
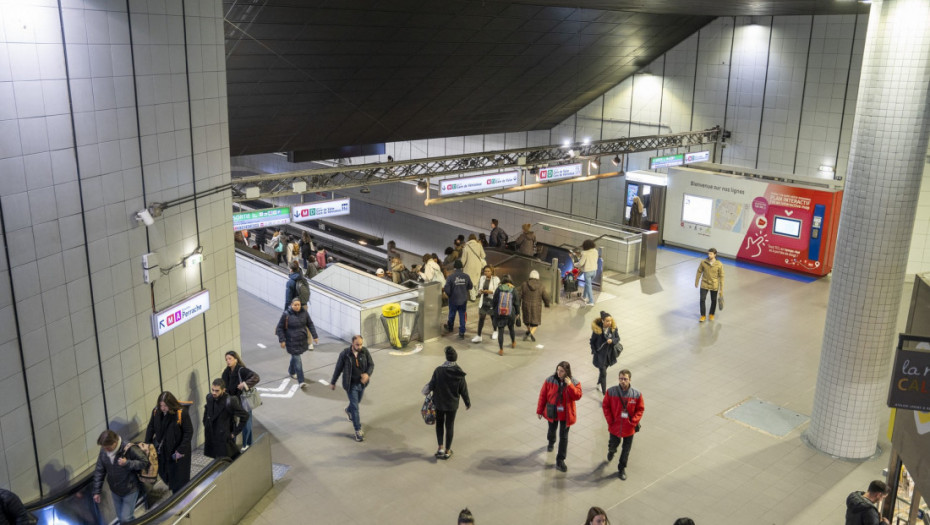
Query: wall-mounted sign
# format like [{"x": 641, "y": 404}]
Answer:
[
  {"x": 565, "y": 171},
  {"x": 910, "y": 377},
  {"x": 319, "y": 210},
  {"x": 248, "y": 220},
  {"x": 479, "y": 183},
  {"x": 678, "y": 160},
  {"x": 174, "y": 316}
]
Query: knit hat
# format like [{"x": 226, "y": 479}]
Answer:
[
  {"x": 534, "y": 275},
  {"x": 451, "y": 354},
  {"x": 380, "y": 271},
  {"x": 458, "y": 264}
]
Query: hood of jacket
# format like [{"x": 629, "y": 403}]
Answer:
[
  {"x": 294, "y": 276},
  {"x": 857, "y": 503},
  {"x": 533, "y": 284},
  {"x": 597, "y": 326},
  {"x": 452, "y": 370}
]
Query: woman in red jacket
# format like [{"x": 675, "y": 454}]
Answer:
[{"x": 557, "y": 404}]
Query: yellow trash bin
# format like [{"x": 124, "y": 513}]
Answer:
[{"x": 390, "y": 318}]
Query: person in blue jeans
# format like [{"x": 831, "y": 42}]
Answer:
[
  {"x": 295, "y": 328},
  {"x": 355, "y": 365},
  {"x": 120, "y": 464},
  {"x": 457, "y": 289},
  {"x": 587, "y": 264},
  {"x": 239, "y": 380}
]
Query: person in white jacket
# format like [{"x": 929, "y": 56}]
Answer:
[
  {"x": 473, "y": 260},
  {"x": 430, "y": 270},
  {"x": 587, "y": 264},
  {"x": 487, "y": 284}
]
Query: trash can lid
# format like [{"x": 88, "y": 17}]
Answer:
[
  {"x": 390, "y": 310},
  {"x": 409, "y": 306}
]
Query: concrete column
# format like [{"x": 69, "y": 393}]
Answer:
[{"x": 886, "y": 161}]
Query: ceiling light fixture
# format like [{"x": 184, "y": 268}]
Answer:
[
  {"x": 595, "y": 164},
  {"x": 616, "y": 160},
  {"x": 421, "y": 186}
]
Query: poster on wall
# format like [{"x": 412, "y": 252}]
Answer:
[{"x": 788, "y": 225}]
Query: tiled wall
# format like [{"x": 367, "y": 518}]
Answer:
[{"x": 102, "y": 113}]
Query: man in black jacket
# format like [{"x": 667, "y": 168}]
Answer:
[
  {"x": 223, "y": 420},
  {"x": 120, "y": 463},
  {"x": 861, "y": 507},
  {"x": 12, "y": 511},
  {"x": 355, "y": 365}
]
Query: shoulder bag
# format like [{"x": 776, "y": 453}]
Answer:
[
  {"x": 428, "y": 410},
  {"x": 250, "y": 397}
]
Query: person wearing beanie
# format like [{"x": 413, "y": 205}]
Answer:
[
  {"x": 457, "y": 289},
  {"x": 533, "y": 296},
  {"x": 447, "y": 385},
  {"x": 605, "y": 346},
  {"x": 465, "y": 517}
]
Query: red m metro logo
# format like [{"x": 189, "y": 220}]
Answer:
[{"x": 174, "y": 318}]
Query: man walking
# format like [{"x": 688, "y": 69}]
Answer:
[
  {"x": 862, "y": 507},
  {"x": 355, "y": 366},
  {"x": 223, "y": 420},
  {"x": 119, "y": 463},
  {"x": 457, "y": 289},
  {"x": 623, "y": 408},
  {"x": 710, "y": 277},
  {"x": 498, "y": 237}
]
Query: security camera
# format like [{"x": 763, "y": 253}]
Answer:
[{"x": 145, "y": 217}]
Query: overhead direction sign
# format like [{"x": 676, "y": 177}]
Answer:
[
  {"x": 248, "y": 220},
  {"x": 178, "y": 314},
  {"x": 679, "y": 159},
  {"x": 479, "y": 183},
  {"x": 319, "y": 210},
  {"x": 565, "y": 171}
]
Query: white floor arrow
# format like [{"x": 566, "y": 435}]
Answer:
[
  {"x": 289, "y": 393},
  {"x": 279, "y": 389}
]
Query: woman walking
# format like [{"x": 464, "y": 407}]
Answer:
[
  {"x": 533, "y": 296},
  {"x": 587, "y": 264},
  {"x": 487, "y": 285},
  {"x": 605, "y": 346},
  {"x": 596, "y": 516},
  {"x": 447, "y": 385},
  {"x": 294, "y": 332},
  {"x": 525, "y": 244},
  {"x": 170, "y": 430},
  {"x": 504, "y": 312},
  {"x": 239, "y": 380},
  {"x": 557, "y": 404}
]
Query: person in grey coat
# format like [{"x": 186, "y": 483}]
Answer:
[
  {"x": 533, "y": 295},
  {"x": 447, "y": 385},
  {"x": 119, "y": 463},
  {"x": 355, "y": 365}
]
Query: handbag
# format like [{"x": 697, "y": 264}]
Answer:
[
  {"x": 720, "y": 301},
  {"x": 551, "y": 411},
  {"x": 250, "y": 398},
  {"x": 519, "y": 322},
  {"x": 428, "y": 410}
]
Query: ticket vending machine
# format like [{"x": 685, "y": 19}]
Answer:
[{"x": 650, "y": 188}]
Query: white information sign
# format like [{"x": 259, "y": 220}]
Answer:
[
  {"x": 479, "y": 183},
  {"x": 174, "y": 316},
  {"x": 565, "y": 171},
  {"x": 319, "y": 210},
  {"x": 697, "y": 156}
]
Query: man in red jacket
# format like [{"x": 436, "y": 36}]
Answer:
[{"x": 623, "y": 407}]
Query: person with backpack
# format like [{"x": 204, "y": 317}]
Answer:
[
  {"x": 278, "y": 246},
  {"x": 498, "y": 237},
  {"x": 120, "y": 463},
  {"x": 170, "y": 431},
  {"x": 556, "y": 403},
  {"x": 506, "y": 305},
  {"x": 223, "y": 420},
  {"x": 457, "y": 289},
  {"x": 240, "y": 380},
  {"x": 296, "y": 288},
  {"x": 294, "y": 332}
]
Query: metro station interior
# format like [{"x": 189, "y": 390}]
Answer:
[{"x": 138, "y": 138}]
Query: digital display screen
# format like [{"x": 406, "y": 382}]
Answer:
[
  {"x": 631, "y": 191},
  {"x": 787, "y": 227},
  {"x": 697, "y": 210}
]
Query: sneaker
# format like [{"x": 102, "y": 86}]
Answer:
[
  {"x": 246, "y": 447},
  {"x": 476, "y": 339},
  {"x": 549, "y": 447},
  {"x": 440, "y": 453},
  {"x": 561, "y": 466},
  {"x": 610, "y": 455},
  {"x": 461, "y": 336},
  {"x": 494, "y": 336},
  {"x": 702, "y": 319},
  {"x": 711, "y": 317},
  {"x": 359, "y": 436},
  {"x": 303, "y": 385},
  {"x": 348, "y": 415},
  {"x": 622, "y": 474},
  {"x": 447, "y": 455},
  {"x": 293, "y": 376},
  {"x": 310, "y": 347}
]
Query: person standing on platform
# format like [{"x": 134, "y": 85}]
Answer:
[
  {"x": 295, "y": 329},
  {"x": 587, "y": 264},
  {"x": 605, "y": 346},
  {"x": 457, "y": 288},
  {"x": 487, "y": 285},
  {"x": 119, "y": 463},
  {"x": 473, "y": 260},
  {"x": 430, "y": 270},
  {"x": 636, "y": 213},
  {"x": 556, "y": 403},
  {"x": 240, "y": 380},
  {"x": 862, "y": 507},
  {"x": 447, "y": 385},
  {"x": 498, "y": 237},
  {"x": 506, "y": 303},
  {"x": 170, "y": 430},
  {"x": 710, "y": 277},
  {"x": 223, "y": 420},
  {"x": 525, "y": 243},
  {"x": 623, "y": 408},
  {"x": 533, "y": 296},
  {"x": 355, "y": 365}
]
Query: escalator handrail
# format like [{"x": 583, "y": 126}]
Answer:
[{"x": 164, "y": 506}]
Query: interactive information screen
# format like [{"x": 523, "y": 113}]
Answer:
[
  {"x": 787, "y": 227},
  {"x": 248, "y": 220},
  {"x": 697, "y": 210}
]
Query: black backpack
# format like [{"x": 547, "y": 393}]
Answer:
[{"x": 303, "y": 291}]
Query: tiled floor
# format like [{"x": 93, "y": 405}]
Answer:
[{"x": 687, "y": 461}]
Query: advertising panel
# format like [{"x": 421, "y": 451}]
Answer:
[
  {"x": 178, "y": 314},
  {"x": 910, "y": 377},
  {"x": 566, "y": 171},
  {"x": 248, "y": 220},
  {"x": 479, "y": 183},
  {"x": 786, "y": 225},
  {"x": 319, "y": 210}
]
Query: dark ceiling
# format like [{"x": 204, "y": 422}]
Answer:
[{"x": 316, "y": 74}]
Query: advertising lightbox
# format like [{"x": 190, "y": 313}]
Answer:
[
  {"x": 320, "y": 210},
  {"x": 248, "y": 220},
  {"x": 479, "y": 183},
  {"x": 178, "y": 314}
]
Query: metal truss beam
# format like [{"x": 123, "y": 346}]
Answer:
[{"x": 327, "y": 179}]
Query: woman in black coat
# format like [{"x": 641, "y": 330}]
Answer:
[
  {"x": 240, "y": 379},
  {"x": 170, "y": 430},
  {"x": 447, "y": 385},
  {"x": 294, "y": 332},
  {"x": 605, "y": 346}
]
